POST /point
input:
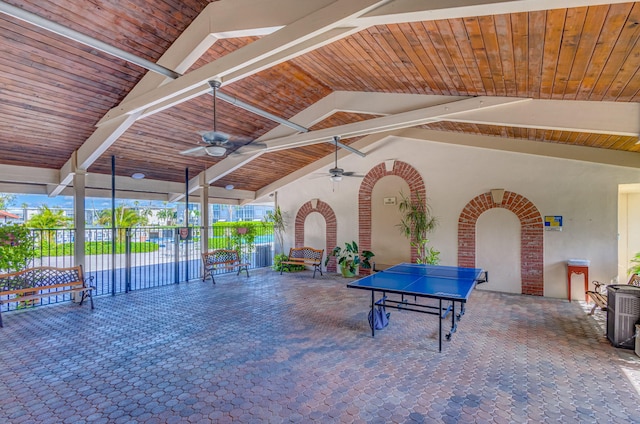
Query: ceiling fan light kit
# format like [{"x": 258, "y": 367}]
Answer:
[{"x": 215, "y": 151}]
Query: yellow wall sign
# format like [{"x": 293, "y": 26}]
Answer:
[{"x": 553, "y": 223}]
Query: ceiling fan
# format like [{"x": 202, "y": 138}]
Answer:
[
  {"x": 216, "y": 142},
  {"x": 336, "y": 174}
]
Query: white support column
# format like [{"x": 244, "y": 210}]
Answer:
[
  {"x": 79, "y": 215},
  {"x": 79, "y": 218},
  {"x": 204, "y": 213}
]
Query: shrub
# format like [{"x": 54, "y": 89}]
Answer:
[{"x": 16, "y": 247}]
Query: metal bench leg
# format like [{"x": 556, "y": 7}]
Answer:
[
  {"x": 243, "y": 268},
  {"x": 1, "y": 318}
]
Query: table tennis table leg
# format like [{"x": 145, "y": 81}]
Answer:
[
  {"x": 454, "y": 325},
  {"x": 462, "y": 310},
  {"x": 440, "y": 329},
  {"x": 373, "y": 321}
]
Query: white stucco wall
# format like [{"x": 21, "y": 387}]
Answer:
[{"x": 584, "y": 194}]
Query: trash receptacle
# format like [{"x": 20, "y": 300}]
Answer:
[{"x": 263, "y": 256}]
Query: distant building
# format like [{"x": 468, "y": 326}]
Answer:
[{"x": 7, "y": 217}]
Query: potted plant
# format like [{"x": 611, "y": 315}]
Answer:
[
  {"x": 349, "y": 259},
  {"x": 417, "y": 222}
]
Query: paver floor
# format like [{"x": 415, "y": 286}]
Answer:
[{"x": 290, "y": 348}]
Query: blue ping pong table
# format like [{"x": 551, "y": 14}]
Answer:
[{"x": 446, "y": 284}]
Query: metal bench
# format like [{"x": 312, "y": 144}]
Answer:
[
  {"x": 304, "y": 256},
  {"x": 222, "y": 259},
  {"x": 23, "y": 287}
]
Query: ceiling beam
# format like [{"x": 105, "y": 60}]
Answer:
[
  {"x": 532, "y": 147},
  {"x": 28, "y": 175},
  {"x": 591, "y": 117},
  {"x": 371, "y": 126},
  {"x": 307, "y": 27},
  {"x": 390, "y": 122},
  {"x": 400, "y": 11},
  {"x": 616, "y": 118}
]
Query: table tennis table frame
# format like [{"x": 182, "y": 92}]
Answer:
[{"x": 442, "y": 312}]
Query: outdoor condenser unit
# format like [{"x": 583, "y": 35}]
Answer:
[{"x": 623, "y": 312}]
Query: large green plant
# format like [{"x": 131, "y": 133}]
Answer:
[
  {"x": 635, "y": 268},
  {"x": 16, "y": 247},
  {"x": 417, "y": 222},
  {"x": 277, "y": 264},
  {"x": 277, "y": 219},
  {"x": 349, "y": 258}
]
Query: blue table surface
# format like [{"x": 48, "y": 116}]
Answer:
[{"x": 423, "y": 280}]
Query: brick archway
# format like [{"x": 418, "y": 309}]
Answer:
[
  {"x": 331, "y": 235},
  {"x": 531, "y": 236},
  {"x": 400, "y": 169}
]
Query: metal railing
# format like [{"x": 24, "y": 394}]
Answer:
[{"x": 147, "y": 257}]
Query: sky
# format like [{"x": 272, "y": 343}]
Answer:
[{"x": 34, "y": 201}]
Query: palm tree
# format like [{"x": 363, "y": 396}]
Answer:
[
  {"x": 168, "y": 215},
  {"x": 5, "y": 200},
  {"x": 277, "y": 218},
  {"x": 416, "y": 224},
  {"x": 48, "y": 220},
  {"x": 125, "y": 218}
]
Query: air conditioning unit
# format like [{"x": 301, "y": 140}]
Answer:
[{"x": 623, "y": 313}]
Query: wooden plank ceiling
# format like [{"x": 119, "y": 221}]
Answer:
[{"x": 53, "y": 91}]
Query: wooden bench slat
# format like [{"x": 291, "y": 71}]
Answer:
[
  {"x": 50, "y": 287},
  {"x": 47, "y": 294}
]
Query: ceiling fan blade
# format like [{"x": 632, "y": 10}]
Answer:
[
  {"x": 352, "y": 174},
  {"x": 195, "y": 151}
]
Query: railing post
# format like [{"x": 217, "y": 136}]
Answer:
[
  {"x": 176, "y": 256},
  {"x": 127, "y": 271}
]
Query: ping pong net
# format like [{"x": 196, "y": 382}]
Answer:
[{"x": 439, "y": 271}]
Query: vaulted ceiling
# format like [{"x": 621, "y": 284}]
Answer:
[{"x": 82, "y": 82}]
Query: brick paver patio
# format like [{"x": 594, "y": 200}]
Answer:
[{"x": 290, "y": 348}]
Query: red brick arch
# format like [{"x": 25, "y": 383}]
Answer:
[
  {"x": 531, "y": 235},
  {"x": 400, "y": 169},
  {"x": 331, "y": 227}
]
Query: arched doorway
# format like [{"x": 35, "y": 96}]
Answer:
[
  {"x": 387, "y": 168},
  {"x": 331, "y": 227},
  {"x": 531, "y": 236}
]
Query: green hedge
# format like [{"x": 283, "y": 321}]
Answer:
[{"x": 95, "y": 248}]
